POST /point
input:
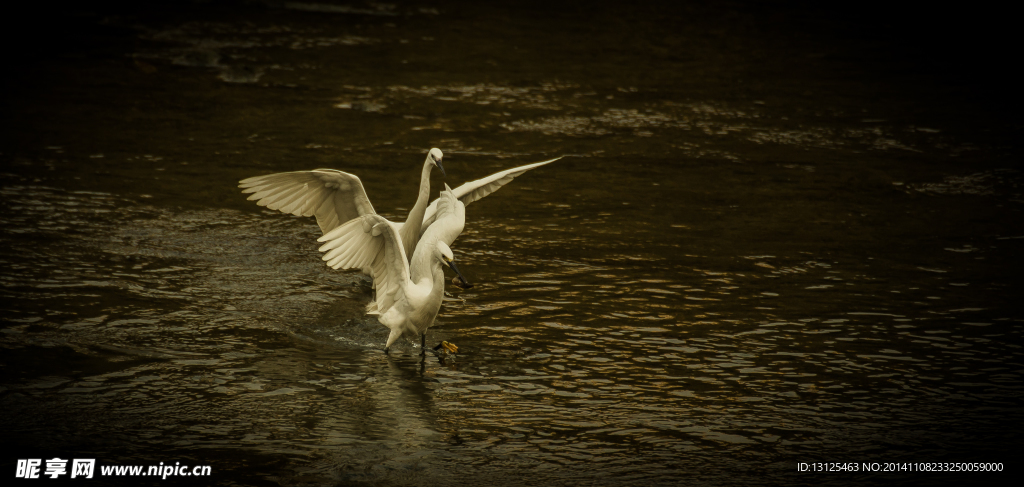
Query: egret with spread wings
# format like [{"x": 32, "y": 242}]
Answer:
[
  {"x": 336, "y": 197},
  {"x": 409, "y": 295}
]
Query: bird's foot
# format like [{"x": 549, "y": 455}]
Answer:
[{"x": 445, "y": 347}]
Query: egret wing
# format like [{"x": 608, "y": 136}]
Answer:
[
  {"x": 333, "y": 196},
  {"x": 474, "y": 190},
  {"x": 351, "y": 246},
  {"x": 371, "y": 236}
]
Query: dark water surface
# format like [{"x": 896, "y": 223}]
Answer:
[{"x": 777, "y": 236}]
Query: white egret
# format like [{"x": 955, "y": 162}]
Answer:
[
  {"x": 336, "y": 197},
  {"x": 408, "y": 295}
]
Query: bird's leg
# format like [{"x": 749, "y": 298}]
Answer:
[
  {"x": 423, "y": 344},
  {"x": 386, "y": 351}
]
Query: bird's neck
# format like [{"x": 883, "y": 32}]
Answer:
[
  {"x": 423, "y": 264},
  {"x": 410, "y": 231},
  {"x": 427, "y": 275}
]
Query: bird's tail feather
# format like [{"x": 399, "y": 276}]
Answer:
[{"x": 395, "y": 333}]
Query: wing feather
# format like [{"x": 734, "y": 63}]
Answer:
[
  {"x": 350, "y": 247},
  {"x": 371, "y": 242},
  {"x": 304, "y": 198},
  {"x": 285, "y": 201},
  {"x": 270, "y": 196},
  {"x": 344, "y": 246},
  {"x": 474, "y": 190},
  {"x": 314, "y": 201},
  {"x": 333, "y": 196}
]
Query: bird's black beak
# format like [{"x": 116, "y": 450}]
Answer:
[
  {"x": 465, "y": 283},
  {"x": 439, "y": 166}
]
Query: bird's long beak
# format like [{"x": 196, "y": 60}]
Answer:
[
  {"x": 441, "y": 167},
  {"x": 465, "y": 283}
]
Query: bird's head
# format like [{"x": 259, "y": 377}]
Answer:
[
  {"x": 435, "y": 156},
  {"x": 448, "y": 259}
]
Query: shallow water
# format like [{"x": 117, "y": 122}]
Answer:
[{"x": 766, "y": 244}]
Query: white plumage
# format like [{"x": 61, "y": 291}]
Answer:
[
  {"x": 355, "y": 237},
  {"x": 409, "y": 295},
  {"x": 335, "y": 197}
]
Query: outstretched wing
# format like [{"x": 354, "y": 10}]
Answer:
[
  {"x": 474, "y": 190},
  {"x": 366, "y": 236},
  {"x": 352, "y": 246},
  {"x": 333, "y": 196}
]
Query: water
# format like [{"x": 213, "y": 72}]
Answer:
[{"x": 767, "y": 243}]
